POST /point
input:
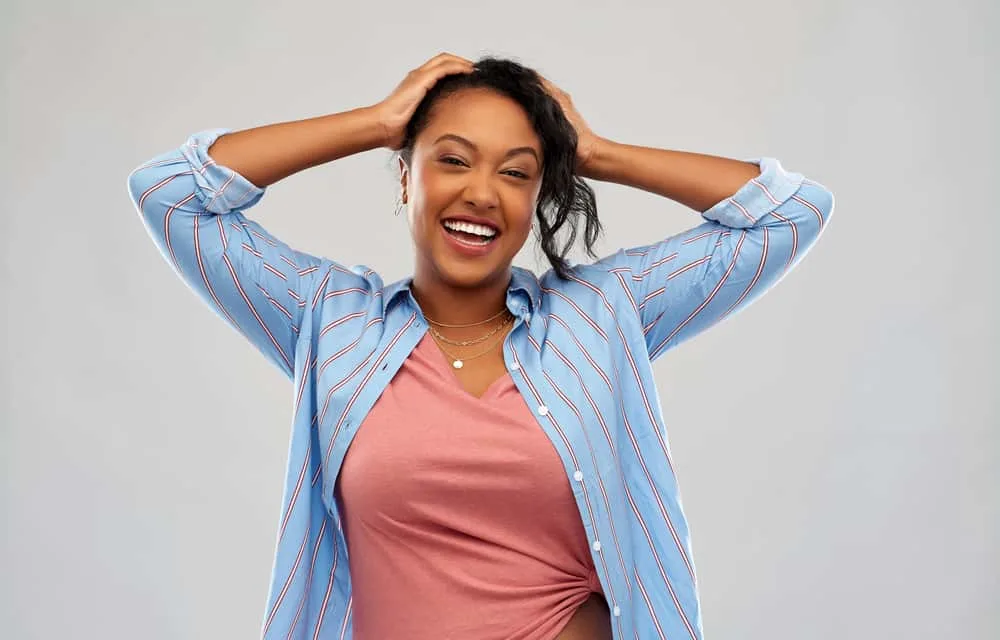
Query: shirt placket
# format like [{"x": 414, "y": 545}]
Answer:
[{"x": 524, "y": 363}]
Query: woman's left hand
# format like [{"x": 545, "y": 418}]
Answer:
[{"x": 587, "y": 141}]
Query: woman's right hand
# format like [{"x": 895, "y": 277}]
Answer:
[{"x": 396, "y": 110}]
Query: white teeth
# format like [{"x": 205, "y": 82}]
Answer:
[
  {"x": 468, "y": 227},
  {"x": 473, "y": 243}
]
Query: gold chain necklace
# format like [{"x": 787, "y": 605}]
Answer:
[
  {"x": 469, "y": 343},
  {"x": 465, "y": 326},
  {"x": 457, "y": 362}
]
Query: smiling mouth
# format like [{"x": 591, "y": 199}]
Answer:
[{"x": 475, "y": 235}]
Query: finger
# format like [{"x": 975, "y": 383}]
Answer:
[
  {"x": 451, "y": 63},
  {"x": 551, "y": 88},
  {"x": 448, "y": 68},
  {"x": 452, "y": 56},
  {"x": 445, "y": 57}
]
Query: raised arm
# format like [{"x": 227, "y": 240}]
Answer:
[
  {"x": 267, "y": 154},
  {"x": 192, "y": 205},
  {"x": 760, "y": 220},
  {"x": 192, "y": 200}
]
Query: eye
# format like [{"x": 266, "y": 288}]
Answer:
[
  {"x": 516, "y": 174},
  {"x": 452, "y": 160}
]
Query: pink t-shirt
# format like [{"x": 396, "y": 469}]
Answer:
[{"x": 459, "y": 517}]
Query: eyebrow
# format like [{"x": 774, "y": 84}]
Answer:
[{"x": 468, "y": 143}]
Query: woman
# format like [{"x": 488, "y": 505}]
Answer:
[{"x": 478, "y": 452}]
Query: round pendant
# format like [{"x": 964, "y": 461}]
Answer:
[{"x": 458, "y": 364}]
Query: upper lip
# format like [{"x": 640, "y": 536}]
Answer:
[{"x": 473, "y": 219}]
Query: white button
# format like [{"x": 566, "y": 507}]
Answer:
[
  {"x": 597, "y": 545},
  {"x": 515, "y": 366},
  {"x": 543, "y": 410},
  {"x": 616, "y": 611},
  {"x": 578, "y": 476}
]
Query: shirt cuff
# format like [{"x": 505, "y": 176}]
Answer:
[
  {"x": 220, "y": 189},
  {"x": 758, "y": 197}
]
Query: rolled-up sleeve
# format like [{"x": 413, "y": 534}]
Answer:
[
  {"x": 688, "y": 282},
  {"x": 193, "y": 209}
]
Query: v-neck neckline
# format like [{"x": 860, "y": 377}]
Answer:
[{"x": 449, "y": 373}]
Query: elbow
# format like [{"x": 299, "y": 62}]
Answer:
[
  {"x": 150, "y": 188},
  {"x": 146, "y": 179},
  {"x": 818, "y": 200},
  {"x": 140, "y": 186},
  {"x": 800, "y": 221},
  {"x": 137, "y": 184},
  {"x": 153, "y": 182},
  {"x": 805, "y": 215},
  {"x": 810, "y": 218}
]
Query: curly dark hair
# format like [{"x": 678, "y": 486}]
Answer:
[{"x": 564, "y": 197}]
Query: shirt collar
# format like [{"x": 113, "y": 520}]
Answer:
[
  {"x": 524, "y": 283},
  {"x": 522, "y": 293}
]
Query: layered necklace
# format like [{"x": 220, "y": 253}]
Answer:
[{"x": 458, "y": 362}]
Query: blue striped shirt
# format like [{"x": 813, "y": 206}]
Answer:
[{"x": 580, "y": 353}]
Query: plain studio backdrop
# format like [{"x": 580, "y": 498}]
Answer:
[{"x": 836, "y": 442}]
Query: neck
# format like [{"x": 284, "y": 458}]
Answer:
[{"x": 449, "y": 304}]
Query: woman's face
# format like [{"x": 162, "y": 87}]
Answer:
[{"x": 471, "y": 188}]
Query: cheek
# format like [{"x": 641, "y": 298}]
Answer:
[
  {"x": 422, "y": 225},
  {"x": 521, "y": 217},
  {"x": 421, "y": 203},
  {"x": 427, "y": 197},
  {"x": 521, "y": 223}
]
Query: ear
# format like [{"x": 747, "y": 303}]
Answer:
[{"x": 404, "y": 174}]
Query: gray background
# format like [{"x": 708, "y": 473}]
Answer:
[{"x": 840, "y": 471}]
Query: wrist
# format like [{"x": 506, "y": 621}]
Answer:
[
  {"x": 391, "y": 126},
  {"x": 599, "y": 153},
  {"x": 373, "y": 117}
]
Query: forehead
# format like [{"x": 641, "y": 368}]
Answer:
[{"x": 489, "y": 119}]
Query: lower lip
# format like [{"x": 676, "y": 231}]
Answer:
[{"x": 471, "y": 250}]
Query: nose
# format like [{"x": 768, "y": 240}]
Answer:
[{"x": 480, "y": 191}]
